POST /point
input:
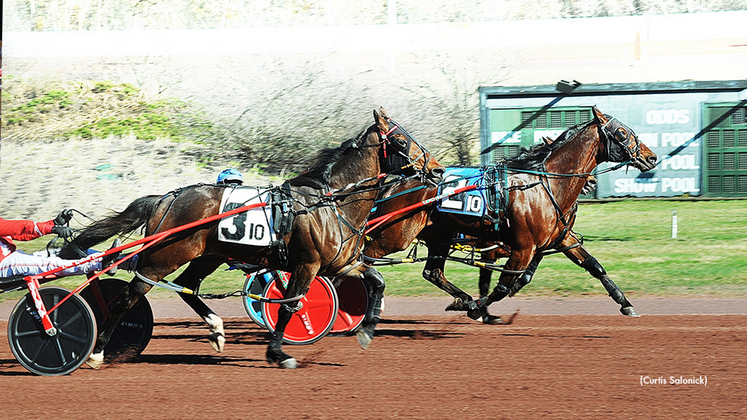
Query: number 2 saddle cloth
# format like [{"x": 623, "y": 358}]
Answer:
[{"x": 487, "y": 201}]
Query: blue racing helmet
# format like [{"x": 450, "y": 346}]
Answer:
[{"x": 230, "y": 176}]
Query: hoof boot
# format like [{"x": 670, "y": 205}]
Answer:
[
  {"x": 492, "y": 320},
  {"x": 217, "y": 341},
  {"x": 289, "y": 363},
  {"x": 629, "y": 311},
  {"x": 96, "y": 360}
]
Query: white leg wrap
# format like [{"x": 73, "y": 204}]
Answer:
[
  {"x": 96, "y": 360},
  {"x": 217, "y": 336}
]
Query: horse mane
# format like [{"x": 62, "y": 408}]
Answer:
[
  {"x": 534, "y": 158},
  {"x": 320, "y": 174}
]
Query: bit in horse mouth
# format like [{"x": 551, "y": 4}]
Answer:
[
  {"x": 647, "y": 164},
  {"x": 435, "y": 177}
]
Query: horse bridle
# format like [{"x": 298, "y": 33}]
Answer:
[
  {"x": 396, "y": 129},
  {"x": 615, "y": 131}
]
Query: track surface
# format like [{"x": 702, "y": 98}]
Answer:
[{"x": 419, "y": 366}]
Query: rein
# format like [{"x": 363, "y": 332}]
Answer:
[
  {"x": 376, "y": 222},
  {"x": 558, "y": 175}
]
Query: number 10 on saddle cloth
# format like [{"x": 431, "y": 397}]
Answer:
[
  {"x": 489, "y": 198},
  {"x": 253, "y": 227}
]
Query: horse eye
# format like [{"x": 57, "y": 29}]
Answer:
[{"x": 621, "y": 134}]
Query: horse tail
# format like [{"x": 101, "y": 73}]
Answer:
[{"x": 124, "y": 222}]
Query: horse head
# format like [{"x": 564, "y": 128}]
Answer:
[
  {"x": 621, "y": 144},
  {"x": 402, "y": 154}
]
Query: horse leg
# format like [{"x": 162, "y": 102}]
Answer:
[
  {"x": 275, "y": 352},
  {"x": 121, "y": 304},
  {"x": 519, "y": 260},
  {"x": 298, "y": 284},
  {"x": 525, "y": 278},
  {"x": 434, "y": 273},
  {"x": 191, "y": 278},
  {"x": 582, "y": 258},
  {"x": 483, "y": 285},
  {"x": 376, "y": 286}
]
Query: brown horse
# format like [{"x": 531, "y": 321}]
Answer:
[
  {"x": 543, "y": 188},
  {"x": 489, "y": 252},
  {"x": 329, "y": 204},
  {"x": 398, "y": 232}
]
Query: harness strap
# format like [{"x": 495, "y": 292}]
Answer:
[
  {"x": 562, "y": 217},
  {"x": 176, "y": 194}
]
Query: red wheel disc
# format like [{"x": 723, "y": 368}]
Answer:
[
  {"x": 313, "y": 321},
  {"x": 353, "y": 296}
]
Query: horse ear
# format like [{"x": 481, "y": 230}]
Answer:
[
  {"x": 380, "y": 120},
  {"x": 599, "y": 115}
]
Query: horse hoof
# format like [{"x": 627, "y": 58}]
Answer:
[
  {"x": 456, "y": 305},
  {"x": 275, "y": 355},
  {"x": 96, "y": 360},
  {"x": 492, "y": 320},
  {"x": 218, "y": 341},
  {"x": 364, "y": 339},
  {"x": 289, "y": 363},
  {"x": 629, "y": 311}
]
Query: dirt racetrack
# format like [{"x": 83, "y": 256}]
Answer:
[{"x": 426, "y": 366}]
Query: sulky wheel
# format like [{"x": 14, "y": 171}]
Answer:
[
  {"x": 315, "y": 318},
  {"x": 52, "y": 355},
  {"x": 353, "y": 296},
  {"x": 255, "y": 284},
  {"x": 134, "y": 329}
]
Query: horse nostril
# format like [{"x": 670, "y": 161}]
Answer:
[{"x": 652, "y": 160}]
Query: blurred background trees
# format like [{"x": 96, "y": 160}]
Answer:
[{"x": 273, "y": 111}]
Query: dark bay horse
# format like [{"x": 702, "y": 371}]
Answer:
[
  {"x": 543, "y": 184},
  {"x": 397, "y": 233},
  {"x": 330, "y": 204},
  {"x": 543, "y": 188},
  {"x": 487, "y": 245}
]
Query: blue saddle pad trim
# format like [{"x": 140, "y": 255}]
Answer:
[{"x": 469, "y": 203}]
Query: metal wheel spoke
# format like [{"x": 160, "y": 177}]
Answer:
[
  {"x": 345, "y": 317},
  {"x": 29, "y": 333},
  {"x": 316, "y": 304},
  {"x": 39, "y": 351},
  {"x": 53, "y": 315},
  {"x": 72, "y": 319},
  {"x": 58, "y": 347},
  {"x": 71, "y": 337}
]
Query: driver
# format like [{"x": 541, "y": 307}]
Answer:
[{"x": 14, "y": 262}]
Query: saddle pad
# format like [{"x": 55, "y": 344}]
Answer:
[
  {"x": 470, "y": 203},
  {"x": 252, "y": 227}
]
